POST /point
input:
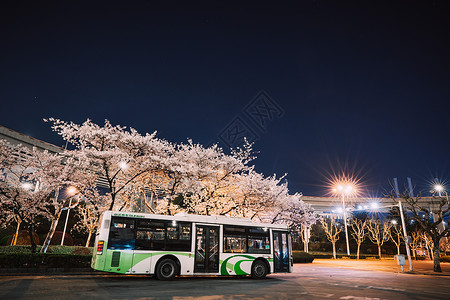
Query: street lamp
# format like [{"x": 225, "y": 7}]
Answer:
[
  {"x": 71, "y": 191},
  {"x": 345, "y": 190},
  {"x": 439, "y": 188},
  {"x": 402, "y": 218}
]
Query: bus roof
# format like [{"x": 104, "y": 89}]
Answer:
[{"x": 197, "y": 219}]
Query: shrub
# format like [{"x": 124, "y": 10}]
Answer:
[
  {"x": 57, "y": 237},
  {"x": 82, "y": 251},
  {"x": 445, "y": 259},
  {"x": 43, "y": 260},
  {"x": 51, "y": 250},
  {"x": 302, "y": 257},
  {"x": 17, "y": 249},
  {"x": 4, "y": 240},
  {"x": 24, "y": 238}
]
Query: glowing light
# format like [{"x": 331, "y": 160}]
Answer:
[
  {"x": 72, "y": 190},
  {"x": 344, "y": 186},
  {"x": 366, "y": 206},
  {"x": 374, "y": 205},
  {"x": 438, "y": 188},
  {"x": 174, "y": 223},
  {"x": 360, "y": 207},
  {"x": 27, "y": 186},
  {"x": 394, "y": 222},
  {"x": 340, "y": 210},
  {"x": 348, "y": 189},
  {"x": 123, "y": 165}
]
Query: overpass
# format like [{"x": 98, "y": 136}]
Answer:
[{"x": 331, "y": 206}]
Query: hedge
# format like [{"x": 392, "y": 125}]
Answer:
[
  {"x": 43, "y": 260},
  {"x": 302, "y": 257},
  {"x": 50, "y": 250},
  {"x": 445, "y": 259}
]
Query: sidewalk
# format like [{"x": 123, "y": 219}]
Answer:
[{"x": 419, "y": 267}]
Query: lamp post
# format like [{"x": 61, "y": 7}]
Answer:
[
  {"x": 408, "y": 251},
  {"x": 439, "y": 188},
  {"x": 71, "y": 191},
  {"x": 345, "y": 190},
  {"x": 402, "y": 217}
]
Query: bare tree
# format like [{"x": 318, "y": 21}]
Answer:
[
  {"x": 430, "y": 217},
  {"x": 396, "y": 236},
  {"x": 429, "y": 244},
  {"x": 332, "y": 230},
  {"x": 416, "y": 237},
  {"x": 359, "y": 232},
  {"x": 445, "y": 245},
  {"x": 378, "y": 233}
]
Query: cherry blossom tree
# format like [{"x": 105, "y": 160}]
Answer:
[
  {"x": 89, "y": 211},
  {"x": 73, "y": 175},
  {"x": 117, "y": 155},
  {"x": 28, "y": 181},
  {"x": 183, "y": 177},
  {"x": 204, "y": 180}
]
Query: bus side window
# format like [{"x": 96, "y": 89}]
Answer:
[
  {"x": 178, "y": 237},
  {"x": 235, "y": 239},
  {"x": 121, "y": 235}
]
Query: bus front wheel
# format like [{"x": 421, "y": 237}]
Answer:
[
  {"x": 167, "y": 269},
  {"x": 259, "y": 269}
]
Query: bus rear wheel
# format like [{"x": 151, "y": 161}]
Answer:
[
  {"x": 259, "y": 269},
  {"x": 167, "y": 269}
]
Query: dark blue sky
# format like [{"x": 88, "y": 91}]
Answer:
[{"x": 364, "y": 85}]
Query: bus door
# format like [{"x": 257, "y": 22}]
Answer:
[
  {"x": 280, "y": 251},
  {"x": 206, "y": 249}
]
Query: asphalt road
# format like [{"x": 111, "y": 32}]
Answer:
[{"x": 309, "y": 281}]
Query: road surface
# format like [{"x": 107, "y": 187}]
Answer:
[{"x": 308, "y": 281}]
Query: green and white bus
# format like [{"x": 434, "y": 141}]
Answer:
[{"x": 185, "y": 244}]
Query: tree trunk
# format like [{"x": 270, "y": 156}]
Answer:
[
  {"x": 379, "y": 251},
  {"x": 14, "y": 240},
  {"x": 88, "y": 239},
  {"x": 436, "y": 256},
  {"x": 33, "y": 244},
  {"x": 334, "y": 250},
  {"x": 52, "y": 230},
  {"x": 357, "y": 251},
  {"x": 398, "y": 249}
]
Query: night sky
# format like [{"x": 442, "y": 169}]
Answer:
[{"x": 360, "y": 87}]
